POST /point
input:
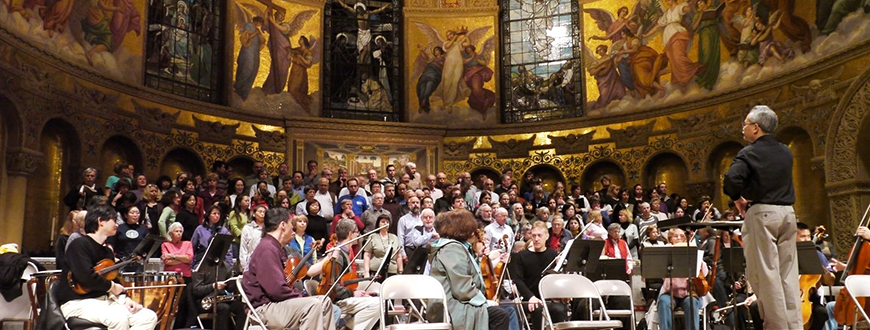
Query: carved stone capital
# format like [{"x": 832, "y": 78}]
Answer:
[{"x": 22, "y": 162}]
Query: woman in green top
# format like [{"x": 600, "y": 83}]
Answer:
[
  {"x": 172, "y": 202},
  {"x": 238, "y": 219}
]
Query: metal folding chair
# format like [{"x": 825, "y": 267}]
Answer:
[
  {"x": 410, "y": 287},
  {"x": 609, "y": 288},
  {"x": 858, "y": 286},
  {"x": 559, "y": 286}
]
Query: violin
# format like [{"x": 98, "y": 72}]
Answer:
[
  {"x": 330, "y": 276},
  {"x": 487, "y": 271},
  {"x": 107, "y": 268},
  {"x": 859, "y": 262},
  {"x": 499, "y": 271},
  {"x": 700, "y": 285},
  {"x": 296, "y": 265}
]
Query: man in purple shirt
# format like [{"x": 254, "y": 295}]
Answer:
[{"x": 279, "y": 305}]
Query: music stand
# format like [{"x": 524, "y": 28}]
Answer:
[
  {"x": 733, "y": 260},
  {"x": 658, "y": 262},
  {"x": 675, "y": 222},
  {"x": 609, "y": 269},
  {"x": 809, "y": 262},
  {"x": 150, "y": 243},
  {"x": 583, "y": 254},
  {"x": 217, "y": 249},
  {"x": 417, "y": 261}
]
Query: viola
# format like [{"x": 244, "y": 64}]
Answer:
[
  {"x": 859, "y": 263},
  {"x": 296, "y": 265},
  {"x": 329, "y": 275},
  {"x": 107, "y": 268}
]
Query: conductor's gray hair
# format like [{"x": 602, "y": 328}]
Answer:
[{"x": 764, "y": 117}]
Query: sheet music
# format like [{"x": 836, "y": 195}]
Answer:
[
  {"x": 700, "y": 262},
  {"x": 560, "y": 259}
]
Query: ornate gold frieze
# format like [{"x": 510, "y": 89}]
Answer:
[
  {"x": 632, "y": 136},
  {"x": 458, "y": 150},
  {"x": 572, "y": 143},
  {"x": 155, "y": 119},
  {"x": 818, "y": 89},
  {"x": 513, "y": 148},
  {"x": 693, "y": 124},
  {"x": 94, "y": 100},
  {"x": 269, "y": 140},
  {"x": 215, "y": 131}
]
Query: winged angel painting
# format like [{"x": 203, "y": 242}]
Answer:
[
  {"x": 91, "y": 32},
  {"x": 288, "y": 66},
  {"x": 454, "y": 68},
  {"x": 652, "y": 50}
]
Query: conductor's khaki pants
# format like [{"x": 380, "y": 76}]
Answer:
[{"x": 770, "y": 238}]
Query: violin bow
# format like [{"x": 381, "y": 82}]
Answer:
[{"x": 349, "y": 263}]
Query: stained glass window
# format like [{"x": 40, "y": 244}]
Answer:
[
  {"x": 184, "y": 48},
  {"x": 542, "y": 71},
  {"x": 361, "y": 54}
]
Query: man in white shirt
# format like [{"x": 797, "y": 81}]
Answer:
[
  {"x": 487, "y": 188},
  {"x": 407, "y": 224},
  {"x": 263, "y": 176},
  {"x": 434, "y": 192},
  {"x": 498, "y": 229},
  {"x": 326, "y": 198}
]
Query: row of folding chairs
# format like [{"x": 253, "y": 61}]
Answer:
[{"x": 415, "y": 289}]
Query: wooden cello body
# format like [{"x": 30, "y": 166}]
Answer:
[{"x": 858, "y": 264}]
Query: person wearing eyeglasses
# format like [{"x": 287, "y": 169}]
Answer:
[{"x": 760, "y": 184}]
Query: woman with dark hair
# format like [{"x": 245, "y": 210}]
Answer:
[
  {"x": 455, "y": 266},
  {"x": 569, "y": 212},
  {"x": 164, "y": 183},
  {"x": 150, "y": 207},
  {"x": 318, "y": 227},
  {"x": 213, "y": 225},
  {"x": 301, "y": 207},
  {"x": 188, "y": 186},
  {"x": 236, "y": 187},
  {"x": 375, "y": 251},
  {"x": 237, "y": 220},
  {"x": 171, "y": 206},
  {"x": 623, "y": 203},
  {"x": 128, "y": 236},
  {"x": 186, "y": 216},
  {"x": 637, "y": 195},
  {"x": 283, "y": 201}
]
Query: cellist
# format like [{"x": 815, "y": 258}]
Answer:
[
  {"x": 361, "y": 305},
  {"x": 864, "y": 233}
]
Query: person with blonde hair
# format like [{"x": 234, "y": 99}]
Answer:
[{"x": 595, "y": 228}]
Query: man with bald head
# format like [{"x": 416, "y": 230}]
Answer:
[{"x": 325, "y": 197}]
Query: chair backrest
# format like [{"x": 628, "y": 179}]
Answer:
[
  {"x": 567, "y": 286},
  {"x": 311, "y": 287},
  {"x": 858, "y": 285},
  {"x": 369, "y": 286},
  {"x": 51, "y": 318},
  {"x": 411, "y": 287},
  {"x": 613, "y": 288},
  {"x": 251, "y": 310}
]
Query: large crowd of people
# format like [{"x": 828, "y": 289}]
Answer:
[{"x": 452, "y": 229}]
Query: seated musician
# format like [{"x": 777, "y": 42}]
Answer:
[
  {"x": 104, "y": 303},
  {"x": 837, "y": 265},
  {"x": 678, "y": 292},
  {"x": 455, "y": 266},
  {"x": 203, "y": 285},
  {"x": 279, "y": 305},
  {"x": 526, "y": 270},
  {"x": 359, "y": 304}
]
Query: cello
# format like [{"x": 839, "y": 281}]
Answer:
[
  {"x": 859, "y": 262},
  {"x": 296, "y": 265}
]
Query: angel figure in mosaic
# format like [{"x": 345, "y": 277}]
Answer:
[
  {"x": 602, "y": 66},
  {"x": 280, "y": 49},
  {"x": 451, "y": 88},
  {"x": 252, "y": 39},
  {"x": 302, "y": 57}
]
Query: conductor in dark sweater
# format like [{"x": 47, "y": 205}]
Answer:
[
  {"x": 526, "y": 271},
  {"x": 104, "y": 301}
]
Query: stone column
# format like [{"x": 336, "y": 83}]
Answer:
[{"x": 20, "y": 163}]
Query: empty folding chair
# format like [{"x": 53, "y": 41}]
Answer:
[
  {"x": 611, "y": 288},
  {"x": 858, "y": 286},
  {"x": 410, "y": 287},
  {"x": 559, "y": 286}
]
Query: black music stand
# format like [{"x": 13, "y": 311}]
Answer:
[
  {"x": 150, "y": 243},
  {"x": 583, "y": 254},
  {"x": 733, "y": 260},
  {"x": 609, "y": 269},
  {"x": 217, "y": 249},
  {"x": 659, "y": 261},
  {"x": 809, "y": 262}
]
